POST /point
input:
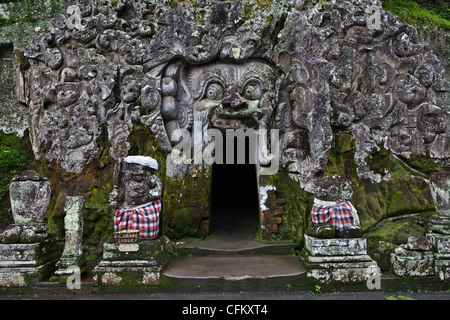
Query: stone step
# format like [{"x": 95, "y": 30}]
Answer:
[
  {"x": 234, "y": 267},
  {"x": 233, "y": 256},
  {"x": 235, "y": 245}
]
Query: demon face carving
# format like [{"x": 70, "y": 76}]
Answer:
[{"x": 221, "y": 95}]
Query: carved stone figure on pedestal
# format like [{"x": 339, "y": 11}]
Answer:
[
  {"x": 333, "y": 215},
  {"x": 136, "y": 197}
]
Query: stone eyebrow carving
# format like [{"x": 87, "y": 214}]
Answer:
[{"x": 208, "y": 77}]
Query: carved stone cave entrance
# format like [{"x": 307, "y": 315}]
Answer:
[{"x": 235, "y": 202}]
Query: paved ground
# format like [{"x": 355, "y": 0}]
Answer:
[{"x": 234, "y": 268}]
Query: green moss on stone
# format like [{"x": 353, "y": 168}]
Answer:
[
  {"x": 98, "y": 219},
  {"x": 297, "y": 208},
  {"x": 399, "y": 193},
  {"x": 420, "y": 12},
  {"x": 383, "y": 240},
  {"x": 15, "y": 155},
  {"x": 185, "y": 203},
  {"x": 422, "y": 163}
]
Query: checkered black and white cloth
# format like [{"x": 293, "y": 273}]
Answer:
[
  {"x": 340, "y": 213},
  {"x": 144, "y": 218}
]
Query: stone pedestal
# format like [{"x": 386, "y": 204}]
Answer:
[
  {"x": 414, "y": 259},
  {"x": 27, "y": 255},
  {"x": 132, "y": 265},
  {"x": 73, "y": 223},
  {"x": 441, "y": 245},
  {"x": 439, "y": 234},
  {"x": 342, "y": 260}
]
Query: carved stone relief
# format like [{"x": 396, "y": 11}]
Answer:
[{"x": 304, "y": 69}]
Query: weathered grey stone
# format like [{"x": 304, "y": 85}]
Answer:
[
  {"x": 410, "y": 263},
  {"x": 152, "y": 73},
  {"x": 332, "y": 188},
  {"x": 440, "y": 190},
  {"x": 135, "y": 183},
  {"x": 347, "y": 273},
  {"x": 341, "y": 260},
  {"x": 441, "y": 242},
  {"x": 442, "y": 268},
  {"x": 418, "y": 243},
  {"x": 25, "y": 264},
  {"x": 30, "y": 196},
  {"x": 11, "y": 235},
  {"x": 38, "y": 252},
  {"x": 73, "y": 223},
  {"x": 336, "y": 246},
  {"x": 13, "y": 114},
  {"x": 442, "y": 220},
  {"x": 31, "y": 236},
  {"x": 144, "y": 265},
  {"x": 25, "y": 233},
  {"x": 440, "y": 228}
]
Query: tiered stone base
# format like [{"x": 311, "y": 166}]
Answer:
[
  {"x": 23, "y": 265},
  {"x": 342, "y": 260},
  {"x": 132, "y": 264},
  {"x": 441, "y": 243}
]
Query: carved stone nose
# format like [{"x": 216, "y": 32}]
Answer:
[{"x": 234, "y": 102}]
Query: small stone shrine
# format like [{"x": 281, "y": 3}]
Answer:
[
  {"x": 137, "y": 253},
  {"x": 335, "y": 248},
  {"x": 439, "y": 234},
  {"x": 27, "y": 252}
]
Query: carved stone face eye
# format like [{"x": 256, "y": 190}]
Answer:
[
  {"x": 214, "y": 92},
  {"x": 252, "y": 91}
]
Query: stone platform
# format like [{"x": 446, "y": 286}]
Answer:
[
  {"x": 234, "y": 267},
  {"x": 441, "y": 244},
  {"x": 342, "y": 260},
  {"x": 24, "y": 264},
  {"x": 132, "y": 264}
]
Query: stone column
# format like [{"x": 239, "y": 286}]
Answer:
[
  {"x": 439, "y": 234},
  {"x": 73, "y": 223}
]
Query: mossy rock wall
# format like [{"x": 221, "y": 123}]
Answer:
[
  {"x": 186, "y": 202},
  {"x": 390, "y": 210},
  {"x": 296, "y": 209}
]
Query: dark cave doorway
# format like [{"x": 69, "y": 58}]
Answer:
[{"x": 235, "y": 200}]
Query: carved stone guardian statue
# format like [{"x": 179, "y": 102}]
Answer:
[
  {"x": 136, "y": 197},
  {"x": 332, "y": 214}
]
